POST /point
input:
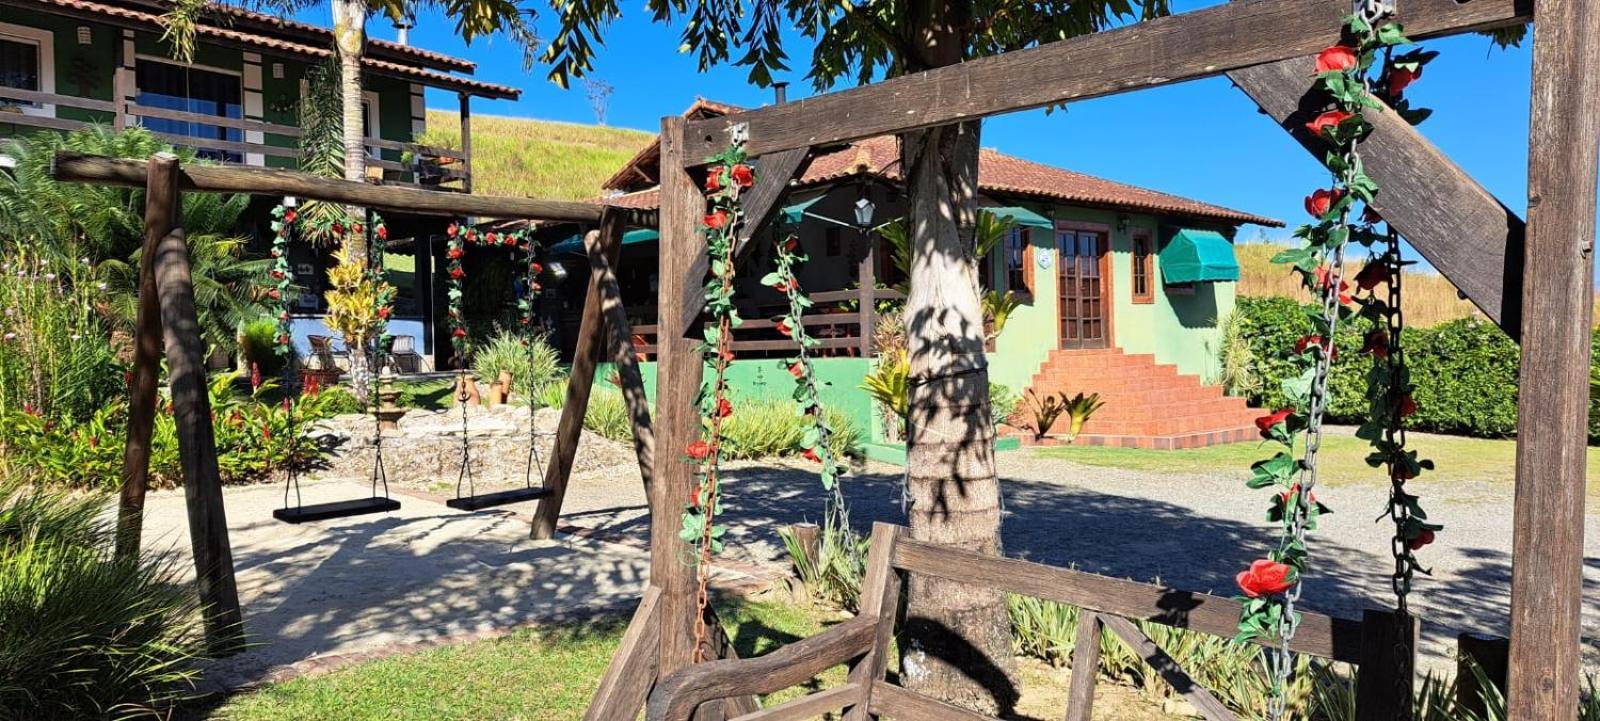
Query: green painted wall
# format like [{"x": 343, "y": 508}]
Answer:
[
  {"x": 768, "y": 379},
  {"x": 1176, "y": 328},
  {"x": 81, "y": 70}
]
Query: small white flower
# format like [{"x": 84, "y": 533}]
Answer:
[
  {"x": 101, "y": 285},
  {"x": 84, "y": 260},
  {"x": 49, "y": 276},
  {"x": 11, "y": 336},
  {"x": 75, "y": 336}
]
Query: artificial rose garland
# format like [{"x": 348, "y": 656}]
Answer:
[
  {"x": 455, "y": 250},
  {"x": 815, "y": 443},
  {"x": 283, "y": 220},
  {"x": 1270, "y": 586}
]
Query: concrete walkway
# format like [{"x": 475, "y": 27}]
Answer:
[{"x": 320, "y": 594}]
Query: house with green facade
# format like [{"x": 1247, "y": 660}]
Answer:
[
  {"x": 1118, "y": 290},
  {"x": 68, "y": 64}
]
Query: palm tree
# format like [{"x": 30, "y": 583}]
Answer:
[{"x": 103, "y": 225}]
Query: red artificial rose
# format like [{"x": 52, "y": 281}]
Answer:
[
  {"x": 357, "y": 228},
  {"x": 1401, "y": 78},
  {"x": 1374, "y": 274},
  {"x": 1314, "y": 341},
  {"x": 453, "y": 230},
  {"x": 1265, "y": 578},
  {"x": 783, "y": 327},
  {"x": 288, "y": 216},
  {"x": 724, "y": 408},
  {"x": 277, "y": 253},
  {"x": 275, "y": 294},
  {"x": 1266, "y": 423},
  {"x": 1320, "y": 200},
  {"x": 1311, "y": 498},
  {"x": 727, "y": 355},
  {"x": 535, "y": 268},
  {"x": 283, "y": 340},
  {"x": 1336, "y": 59},
  {"x": 1423, "y": 538},
  {"x": 742, "y": 175},
  {"x": 492, "y": 239},
  {"x": 1406, "y": 406},
  {"x": 1325, "y": 281},
  {"x": 459, "y": 333},
  {"x": 1327, "y": 121},
  {"x": 457, "y": 273},
  {"x": 455, "y": 253},
  {"x": 810, "y": 454},
  {"x": 797, "y": 369},
  {"x": 791, "y": 244},
  {"x": 338, "y": 228},
  {"x": 283, "y": 316},
  {"x": 537, "y": 287},
  {"x": 716, "y": 220},
  {"x": 1377, "y": 343},
  {"x": 383, "y": 232},
  {"x": 714, "y": 180},
  {"x": 1404, "y": 472},
  {"x": 383, "y": 313},
  {"x": 781, "y": 286},
  {"x": 699, "y": 449},
  {"x": 1370, "y": 216},
  {"x": 275, "y": 274}
]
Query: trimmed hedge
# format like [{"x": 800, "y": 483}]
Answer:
[{"x": 1465, "y": 370}]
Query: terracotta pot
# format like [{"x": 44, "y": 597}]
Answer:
[{"x": 505, "y": 386}]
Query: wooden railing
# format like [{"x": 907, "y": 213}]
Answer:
[
  {"x": 1382, "y": 645},
  {"x": 837, "y": 326},
  {"x": 429, "y": 166}
]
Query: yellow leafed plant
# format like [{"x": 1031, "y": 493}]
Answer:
[{"x": 353, "y": 301}]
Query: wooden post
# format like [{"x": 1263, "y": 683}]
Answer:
[
  {"x": 619, "y": 335},
  {"x": 1388, "y": 666},
  {"x": 580, "y": 383},
  {"x": 466, "y": 143},
  {"x": 809, "y": 537},
  {"x": 1477, "y": 654},
  {"x": 1553, "y": 406},
  {"x": 197, "y": 447},
  {"x": 160, "y": 216},
  {"x": 1085, "y": 666},
  {"x": 867, "y": 287},
  {"x": 678, "y": 374}
]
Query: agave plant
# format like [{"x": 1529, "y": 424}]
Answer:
[{"x": 1079, "y": 408}]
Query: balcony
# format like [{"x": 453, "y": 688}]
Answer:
[{"x": 389, "y": 162}]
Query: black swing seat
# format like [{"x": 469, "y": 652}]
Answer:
[
  {"x": 498, "y": 498},
  {"x": 336, "y": 509}
]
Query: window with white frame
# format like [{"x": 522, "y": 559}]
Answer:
[
  {"x": 197, "y": 91},
  {"x": 27, "y": 62}
]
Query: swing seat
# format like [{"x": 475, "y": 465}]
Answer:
[
  {"x": 498, "y": 498},
  {"x": 336, "y": 509},
  {"x": 1108, "y": 605}
]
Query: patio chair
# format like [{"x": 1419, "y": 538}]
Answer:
[
  {"x": 404, "y": 352},
  {"x": 323, "y": 351}
]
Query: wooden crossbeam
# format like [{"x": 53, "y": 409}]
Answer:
[
  {"x": 1168, "y": 669},
  {"x": 1460, "y": 227},
  {"x": 1181, "y": 47},
  {"x": 102, "y": 170},
  {"x": 773, "y": 174}
]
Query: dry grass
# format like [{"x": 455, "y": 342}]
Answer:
[
  {"x": 1428, "y": 298},
  {"x": 538, "y": 158}
]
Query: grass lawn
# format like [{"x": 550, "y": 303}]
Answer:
[
  {"x": 538, "y": 158},
  {"x": 1343, "y": 458},
  {"x": 549, "y": 674}
]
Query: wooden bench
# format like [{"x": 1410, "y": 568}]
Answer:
[{"x": 1109, "y": 603}]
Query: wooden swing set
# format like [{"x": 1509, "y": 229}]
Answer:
[{"x": 1535, "y": 280}]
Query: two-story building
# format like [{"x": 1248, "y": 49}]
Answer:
[{"x": 65, "y": 64}]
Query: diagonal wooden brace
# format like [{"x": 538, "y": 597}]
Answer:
[{"x": 1471, "y": 237}]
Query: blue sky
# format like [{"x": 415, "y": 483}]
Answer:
[{"x": 1202, "y": 139}]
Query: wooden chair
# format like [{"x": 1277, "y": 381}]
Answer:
[
  {"x": 322, "y": 350},
  {"x": 1107, "y": 603}
]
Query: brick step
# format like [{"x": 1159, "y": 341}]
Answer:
[
  {"x": 1169, "y": 442},
  {"x": 1119, "y": 384},
  {"x": 1100, "y": 360},
  {"x": 1228, "y": 410},
  {"x": 1168, "y": 426},
  {"x": 1100, "y": 367},
  {"x": 1158, "y": 395}
]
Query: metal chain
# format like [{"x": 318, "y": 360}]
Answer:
[{"x": 1282, "y": 662}]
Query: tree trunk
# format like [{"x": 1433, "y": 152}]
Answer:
[
  {"x": 957, "y": 643},
  {"x": 350, "y": 37}
]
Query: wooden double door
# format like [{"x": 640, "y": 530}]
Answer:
[{"x": 1083, "y": 287}]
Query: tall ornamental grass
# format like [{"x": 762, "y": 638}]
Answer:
[
  {"x": 534, "y": 365},
  {"x": 56, "y": 360},
  {"x": 82, "y": 634}
]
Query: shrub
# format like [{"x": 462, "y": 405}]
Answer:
[
  {"x": 533, "y": 365},
  {"x": 104, "y": 637},
  {"x": 258, "y": 346},
  {"x": 607, "y": 415},
  {"x": 55, "y": 356},
  {"x": 834, "y": 577},
  {"x": 767, "y": 429},
  {"x": 1465, "y": 370}
]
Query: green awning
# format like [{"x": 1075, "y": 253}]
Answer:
[
  {"x": 793, "y": 214},
  {"x": 573, "y": 245},
  {"x": 1021, "y": 216},
  {"x": 1197, "y": 256}
]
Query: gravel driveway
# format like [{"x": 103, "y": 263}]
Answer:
[{"x": 1192, "y": 531}]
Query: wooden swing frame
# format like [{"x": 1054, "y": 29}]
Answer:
[
  {"x": 1534, "y": 279},
  {"x": 166, "y": 313}
]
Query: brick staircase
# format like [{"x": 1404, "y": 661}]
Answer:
[{"x": 1147, "y": 404}]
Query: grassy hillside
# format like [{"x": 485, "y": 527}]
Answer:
[
  {"x": 1427, "y": 298},
  {"x": 538, "y": 158}
]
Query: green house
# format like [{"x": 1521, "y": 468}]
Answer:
[
  {"x": 66, "y": 64},
  {"x": 1119, "y": 290}
]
